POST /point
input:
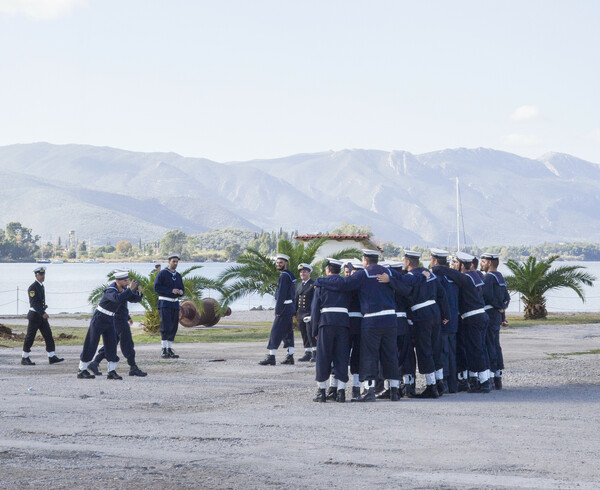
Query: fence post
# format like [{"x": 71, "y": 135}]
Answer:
[{"x": 17, "y": 300}]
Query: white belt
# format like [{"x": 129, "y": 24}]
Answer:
[
  {"x": 487, "y": 307},
  {"x": 472, "y": 312},
  {"x": 334, "y": 309},
  {"x": 32, "y": 309},
  {"x": 165, "y": 298},
  {"x": 380, "y": 313},
  {"x": 355, "y": 314},
  {"x": 288, "y": 302},
  {"x": 105, "y": 311},
  {"x": 422, "y": 305},
  {"x": 401, "y": 314}
]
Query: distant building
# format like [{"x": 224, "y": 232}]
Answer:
[{"x": 337, "y": 243}]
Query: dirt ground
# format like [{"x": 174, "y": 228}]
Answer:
[{"x": 215, "y": 419}]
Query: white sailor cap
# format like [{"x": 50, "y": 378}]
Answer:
[
  {"x": 173, "y": 256},
  {"x": 396, "y": 265},
  {"x": 39, "y": 270},
  {"x": 488, "y": 255},
  {"x": 464, "y": 257},
  {"x": 438, "y": 252},
  {"x": 305, "y": 266},
  {"x": 283, "y": 257},
  {"x": 355, "y": 265},
  {"x": 331, "y": 261},
  {"x": 383, "y": 263},
  {"x": 121, "y": 274},
  {"x": 370, "y": 253},
  {"x": 413, "y": 254}
]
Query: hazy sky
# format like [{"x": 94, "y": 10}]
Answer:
[{"x": 237, "y": 80}]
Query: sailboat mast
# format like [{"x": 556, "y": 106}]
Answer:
[{"x": 457, "y": 218}]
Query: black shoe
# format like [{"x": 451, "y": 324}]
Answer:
[
  {"x": 172, "y": 354},
  {"x": 355, "y": 394},
  {"x": 55, "y": 359},
  {"x": 289, "y": 359},
  {"x": 440, "y": 387},
  {"x": 491, "y": 384},
  {"x": 369, "y": 396},
  {"x": 430, "y": 392},
  {"x": 320, "y": 397},
  {"x": 85, "y": 374},
  {"x": 410, "y": 390},
  {"x": 25, "y": 361},
  {"x": 383, "y": 395},
  {"x": 164, "y": 354},
  {"x": 474, "y": 385},
  {"x": 463, "y": 385},
  {"x": 341, "y": 396},
  {"x": 395, "y": 395},
  {"x": 136, "y": 371},
  {"x": 314, "y": 356},
  {"x": 268, "y": 361},
  {"x": 113, "y": 375},
  {"x": 485, "y": 387},
  {"x": 498, "y": 382},
  {"x": 306, "y": 357},
  {"x": 93, "y": 367},
  {"x": 332, "y": 393}
]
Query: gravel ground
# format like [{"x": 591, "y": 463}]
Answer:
[{"x": 215, "y": 419}]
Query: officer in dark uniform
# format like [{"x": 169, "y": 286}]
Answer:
[
  {"x": 282, "y": 328},
  {"x": 496, "y": 299},
  {"x": 304, "y": 296},
  {"x": 473, "y": 317},
  {"x": 168, "y": 284},
  {"x": 355, "y": 318},
  {"x": 329, "y": 318},
  {"x": 38, "y": 320},
  {"x": 123, "y": 324},
  {"x": 449, "y": 329},
  {"x": 103, "y": 325}
]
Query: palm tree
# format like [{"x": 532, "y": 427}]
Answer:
[
  {"x": 257, "y": 273},
  {"x": 533, "y": 279},
  {"x": 194, "y": 287}
]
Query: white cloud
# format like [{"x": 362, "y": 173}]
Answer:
[
  {"x": 39, "y": 9},
  {"x": 594, "y": 134},
  {"x": 525, "y": 113},
  {"x": 522, "y": 140}
]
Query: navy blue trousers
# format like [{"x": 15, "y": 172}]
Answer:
[
  {"x": 333, "y": 350},
  {"x": 169, "y": 323},
  {"x": 306, "y": 331},
  {"x": 409, "y": 365},
  {"x": 355, "y": 353},
  {"x": 475, "y": 329},
  {"x": 449, "y": 360},
  {"x": 377, "y": 345},
  {"x": 282, "y": 330},
  {"x": 101, "y": 326},
  {"x": 38, "y": 322},
  {"x": 125, "y": 340},
  {"x": 462, "y": 361},
  {"x": 424, "y": 340},
  {"x": 494, "y": 348}
]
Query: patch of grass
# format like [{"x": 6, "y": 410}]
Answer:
[
  {"x": 210, "y": 335},
  {"x": 516, "y": 321},
  {"x": 561, "y": 355}
]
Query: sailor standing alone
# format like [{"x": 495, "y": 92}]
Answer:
[
  {"x": 38, "y": 320},
  {"x": 168, "y": 284}
]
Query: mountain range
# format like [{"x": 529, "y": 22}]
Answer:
[{"x": 109, "y": 194}]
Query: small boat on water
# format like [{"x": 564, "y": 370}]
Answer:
[
  {"x": 58, "y": 262},
  {"x": 42, "y": 261}
]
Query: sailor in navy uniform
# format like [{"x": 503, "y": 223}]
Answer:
[
  {"x": 303, "y": 301},
  {"x": 38, "y": 320},
  {"x": 496, "y": 299},
  {"x": 284, "y": 313},
  {"x": 330, "y": 323},
  {"x": 103, "y": 325},
  {"x": 168, "y": 284},
  {"x": 429, "y": 308},
  {"x": 473, "y": 317},
  {"x": 378, "y": 341},
  {"x": 449, "y": 329},
  {"x": 355, "y": 318},
  {"x": 123, "y": 324}
]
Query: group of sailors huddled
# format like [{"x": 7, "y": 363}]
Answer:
[
  {"x": 383, "y": 320},
  {"x": 111, "y": 321}
]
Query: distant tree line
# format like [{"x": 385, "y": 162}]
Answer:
[{"x": 17, "y": 243}]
